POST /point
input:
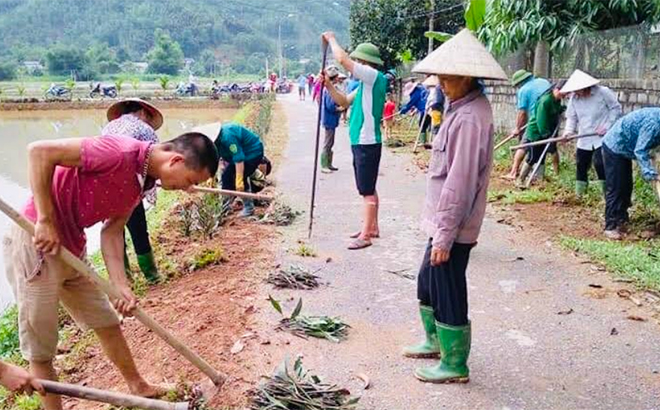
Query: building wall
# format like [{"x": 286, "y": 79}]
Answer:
[{"x": 632, "y": 94}]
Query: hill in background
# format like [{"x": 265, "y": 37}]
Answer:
[{"x": 220, "y": 35}]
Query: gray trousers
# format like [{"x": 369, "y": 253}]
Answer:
[{"x": 329, "y": 141}]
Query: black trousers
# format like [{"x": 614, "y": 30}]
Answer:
[
  {"x": 584, "y": 158},
  {"x": 228, "y": 178},
  {"x": 444, "y": 287},
  {"x": 137, "y": 227},
  {"x": 425, "y": 122},
  {"x": 619, "y": 188}
]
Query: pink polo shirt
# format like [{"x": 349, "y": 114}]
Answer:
[{"x": 106, "y": 185}]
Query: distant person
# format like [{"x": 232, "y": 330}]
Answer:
[
  {"x": 417, "y": 96},
  {"x": 389, "y": 112},
  {"x": 542, "y": 124},
  {"x": 272, "y": 81},
  {"x": 592, "y": 109},
  {"x": 302, "y": 83},
  {"x": 310, "y": 83},
  {"x": 331, "y": 114},
  {"x": 529, "y": 91}
]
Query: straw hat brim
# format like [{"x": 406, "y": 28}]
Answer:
[
  {"x": 212, "y": 130},
  {"x": 432, "y": 81},
  {"x": 462, "y": 55},
  {"x": 116, "y": 110},
  {"x": 579, "y": 80}
]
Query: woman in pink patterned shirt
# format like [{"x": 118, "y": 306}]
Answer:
[{"x": 137, "y": 119}]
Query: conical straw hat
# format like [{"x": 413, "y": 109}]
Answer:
[
  {"x": 431, "y": 81},
  {"x": 579, "y": 80},
  {"x": 211, "y": 130},
  {"x": 462, "y": 55}
]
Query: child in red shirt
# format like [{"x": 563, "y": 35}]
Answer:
[{"x": 388, "y": 115}]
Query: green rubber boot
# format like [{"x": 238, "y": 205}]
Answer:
[
  {"x": 330, "y": 166},
  {"x": 147, "y": 265},
  {"x": 429, "y": 348},
  {"x": 455, "y": 350},
  {"x": 422, "y": 138},
  {"x": 581, "y": 188},
  {"x": 324, "y": 161}
]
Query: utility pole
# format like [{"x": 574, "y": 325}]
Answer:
[
  {"x": 431, "y": 24},
  {"x": 279, "y": 42}
]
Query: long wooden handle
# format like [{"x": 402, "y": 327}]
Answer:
[
  {"x": 110, "y": 397},
  {"x": 504, "y": 141},
  {"x": 80, "y": 266},
  {"x": 227, "y": 192},
  {"x": 550, "y": 140}
]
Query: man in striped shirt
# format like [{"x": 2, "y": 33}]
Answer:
[{"x": 366, "y": 103}]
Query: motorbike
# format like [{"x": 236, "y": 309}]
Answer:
[
  {"x": 186, "y": 89},
  {"x": 98, "y": 90},
  {"x": 218, "y": 90},
  {"x": 283, "y": 87},
  {"x": 57, "y": 91}
]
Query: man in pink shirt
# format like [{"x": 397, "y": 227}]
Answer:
[{"x": 77, "y": 183}]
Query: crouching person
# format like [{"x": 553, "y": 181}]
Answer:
[
  {"x": 455, "y": 204},
  {"x": 242, "y": 151},
  {"x": 77, "y": 183}
]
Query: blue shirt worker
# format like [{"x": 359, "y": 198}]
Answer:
[
  {"x": 331, "y": 114},
  {"x": 242, "y": 152},
  {"x": 633, "y": 137},
  {"x": 530, "y": 89}
]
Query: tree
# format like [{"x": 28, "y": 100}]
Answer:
[
  {"x": 555, "y": 24},
  {"x": 166, "y": 57},
  {"x": 7, "y": 71},
  {"x": 61, "y": 60},
  {"x": 102, "y": 59},
  {"x": 396, "y": 26}
]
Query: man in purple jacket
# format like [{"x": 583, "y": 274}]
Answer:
[{"x": 455, "y": 204}]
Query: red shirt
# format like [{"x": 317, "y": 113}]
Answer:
[
  {"x": 388, "y": 112},
  {"x": 106, "y": 185}
]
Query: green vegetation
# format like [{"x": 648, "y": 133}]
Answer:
[
  {"x": 166, "y": 56},
  {"x": 637, "y": 261},
  {"x": 322, "y": 327},
  {"x": 223, "y": 38},
  {"x": 306, "y": 251},
  {"x": 398, "y": 26},
  {"x": 9, "y": 343},
  {"x": 299, "y": 389},
  {"x": 206, "y": 257}
]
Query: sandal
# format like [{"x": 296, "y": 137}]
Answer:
[
  {"x": 359, "y": 244},
  {"x": 357, "y": 235}
]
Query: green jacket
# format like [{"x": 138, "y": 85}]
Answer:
[
  {"x": 545, "y": 118},
  {"x": 238, "y": 144}
]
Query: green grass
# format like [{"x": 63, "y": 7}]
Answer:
[
  {"x": 513, "y": 196},
  {"x": 9, "y": 343},
  {"x": 638, "y": 261}
]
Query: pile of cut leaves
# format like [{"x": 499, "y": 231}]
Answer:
[
  {"x": 322, "y": 327},
  {"x": 279, "y": 214},
  {"x": 299, "y": 390},
  {"x": 293, "y": 277}
]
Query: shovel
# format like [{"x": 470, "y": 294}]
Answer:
[
  {"x": 67, "y": 257},
  {"x": 110, "y": 397}
]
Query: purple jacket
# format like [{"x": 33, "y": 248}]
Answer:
[{"x": 458, "y": 172}]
